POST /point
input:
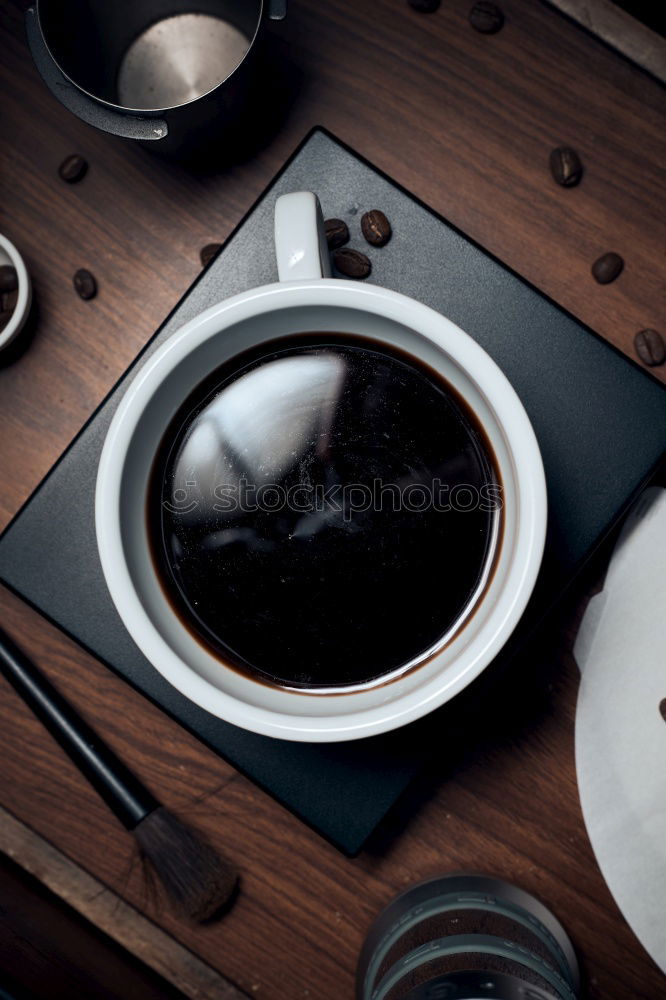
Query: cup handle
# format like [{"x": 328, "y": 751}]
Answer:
[{"x": 300, "y": 243}]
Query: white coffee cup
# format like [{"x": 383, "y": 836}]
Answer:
[{"x": 307, "y": 299}]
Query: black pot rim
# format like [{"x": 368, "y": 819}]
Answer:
[{"x": 152, "y": 112}]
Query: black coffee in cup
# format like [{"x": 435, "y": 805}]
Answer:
[{"x": 323, "y": 512}]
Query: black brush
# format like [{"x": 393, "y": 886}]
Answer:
[{"x": 198, "y": 880}]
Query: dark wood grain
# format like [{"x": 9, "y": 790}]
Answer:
[
  {"x": 466, "y": 122},
  {"x": 500, "y": 797},
  {"x": 84, "y": 900},
  {"x": 49, "y": 950}
]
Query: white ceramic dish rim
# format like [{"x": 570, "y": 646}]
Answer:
[
  {"x": 24, "y": 298},
  {"x": 471, "y": 358}
]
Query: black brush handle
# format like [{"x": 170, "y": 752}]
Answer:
[{"x": 129, "y": 799}]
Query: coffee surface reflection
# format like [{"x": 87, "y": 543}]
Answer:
[{"x": 322, "y": 511}]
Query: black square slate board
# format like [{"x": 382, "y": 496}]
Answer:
[{"x": 600, "y": 421}]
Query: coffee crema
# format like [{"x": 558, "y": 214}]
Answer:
[{"x": 323, "y": 511}]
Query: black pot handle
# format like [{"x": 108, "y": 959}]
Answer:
[
  {"x": 277, "y": 10},
  {"x": 88, "y": 110}
]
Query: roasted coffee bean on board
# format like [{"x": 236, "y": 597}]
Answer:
[
  {"x": 376, "y": 227},
  {"x": 352, "y": 263},
  {"x": 8, "y": 278},
  {"x": 8, "y": 301},
  {"x": 337, "y": 233}
]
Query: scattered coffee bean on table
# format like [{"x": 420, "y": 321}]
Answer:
[
  {"x": 486, "y": 17},
  {"x": 662, "y": 708},
  {"x": 85, "y": 284},
  {"x": 607, "y": 268},
  {"x": 8, "y": 278},
  {"x": 424, "y": 6},
  {"x": 376, "y": 227},
  {"x": 352, "y": 263},
  {"x": 650, "y": 347},
  {"x": 337, "y": 233},
  {"x": 565, "y": 166},
  {"x": 73, "y": 168},
  {"x": 207, "y": 253}
]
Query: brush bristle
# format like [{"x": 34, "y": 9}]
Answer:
[{"x": 198, "y": 879}]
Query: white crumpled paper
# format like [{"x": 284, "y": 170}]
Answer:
[{"x": 620, "y": 733}]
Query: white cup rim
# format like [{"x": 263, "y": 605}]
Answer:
[
  {"x": 24, "y": 298},
  {"x": 511, "y": 415}
]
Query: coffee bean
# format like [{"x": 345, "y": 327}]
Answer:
[
  {"x": 207, "y": 253},
  {"x": 650, "y": 347},
  {"x": 486, "y": 17},
  {"x": 73, "y": 168},
  {"x": 8, "y": 301},
  {"x": 8, "y": 278},
  {"x": 376, "y": 227},
  {"x": 607, "y": 267},
  {"x": 565, "y": 166},
  {"x": 337, "y": 233},
  {"x": 662, "y": 708},
  {"x": 85, "y": 284},
  {"x": 424, "y": 6},
  {"x": 352, "y": 263}
]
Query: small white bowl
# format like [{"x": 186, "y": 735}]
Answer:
[{"x": 10, "y": 255}]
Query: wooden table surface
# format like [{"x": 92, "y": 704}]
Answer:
[{"x": 466, "y": 122}]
